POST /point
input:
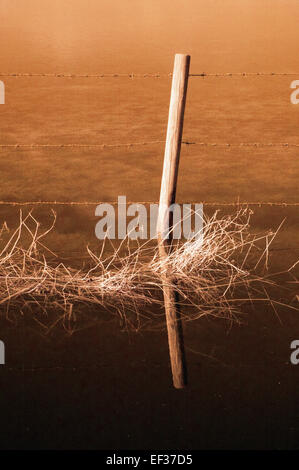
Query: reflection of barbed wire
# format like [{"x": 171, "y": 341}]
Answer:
[
  {"x": 146, "y": 75},
  {"x": 115, "y": 203},
  {"x": 153, "y": 142}
]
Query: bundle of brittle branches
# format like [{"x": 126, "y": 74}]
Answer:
[{"x": 214, "y": 273}]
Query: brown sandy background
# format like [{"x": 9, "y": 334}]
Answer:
[{"x": 242, "y": 391}]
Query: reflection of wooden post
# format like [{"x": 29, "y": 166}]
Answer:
[{"x": 167, "y": 198}]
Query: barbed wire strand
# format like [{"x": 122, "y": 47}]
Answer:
[
  {"x": 94, "y": 203},
  {"x": 74, "y": 145},
  {"x": 154, "y": 142},
  {"x": 145, "y": 75}
]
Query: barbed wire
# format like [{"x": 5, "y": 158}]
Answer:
[
  {"x": 86, "y": 75},
  {"x": 145, "y": 75},
  {"x": 242, "y": 144},
  {"x": 153, "y": 142},
  {"x": 74, "y": 145},
  {"x": 243, "y": 74},
  {"x": 115, "y": 203}
]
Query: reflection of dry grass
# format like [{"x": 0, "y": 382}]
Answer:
[{"x": 212, "y": 275}]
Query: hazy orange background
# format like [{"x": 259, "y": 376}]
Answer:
[
  {"x": 142, "y": 36},
  {"x": 132, "y": 36},
  {"x": 100, "y": 388}
]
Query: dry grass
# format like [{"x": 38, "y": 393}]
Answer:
[{"x": 214, "y": 275}]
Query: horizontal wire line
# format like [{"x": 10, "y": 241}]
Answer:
[
  {"x": 93, "y": 203},
  {"x": 146, "y": 75},
  {"x": 73, "y": 145},
  {"x": 100, "y": 75},
  {"x": 242, "y": 144},
  {"x": 154, "y": 142},
  {"x": 243, "y": 74}
]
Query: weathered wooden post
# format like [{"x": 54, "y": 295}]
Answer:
[
  {"x": 164, "y": 226},
  {"x": 2, "y": 93}
]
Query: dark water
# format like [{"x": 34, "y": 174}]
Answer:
[{"x": 103, "y": 388}]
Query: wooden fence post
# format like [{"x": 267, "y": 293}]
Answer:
[{"x": 164, "y": 226}]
